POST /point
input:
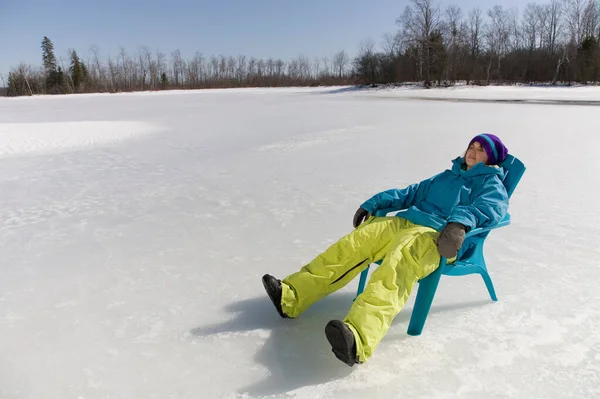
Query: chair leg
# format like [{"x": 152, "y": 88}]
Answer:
[
  {"x": 490, "y": 286},
  {"x": 425, "y": 294},
  {"x": 363, "y": 281}
]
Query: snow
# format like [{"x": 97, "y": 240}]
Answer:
[
  {"x": 581, "y": 95},
  {"x": 136, "y": 228},
  {"x": 22, "y": 138}
]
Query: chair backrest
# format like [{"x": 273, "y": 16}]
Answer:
[{"x": 514, "y": 171}]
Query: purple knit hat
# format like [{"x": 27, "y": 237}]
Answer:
[{"x": 495, "y": 150}]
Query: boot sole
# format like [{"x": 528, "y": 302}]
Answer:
[
  {"x": 274, "y": 300},
  {"x": 339, "y": 345}
]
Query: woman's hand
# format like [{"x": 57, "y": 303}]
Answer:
[
  {"x": 451, "y": 239},
  {"x": 360, "y": 216}
]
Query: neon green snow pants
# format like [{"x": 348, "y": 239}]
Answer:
[{"x": 409, "y": 254}]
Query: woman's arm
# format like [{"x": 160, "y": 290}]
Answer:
[
  {"x": 488, "y": 208},
  {"x": 398, "y": 199}
]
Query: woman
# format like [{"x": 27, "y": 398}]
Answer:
[{"x": 437, "y": 213}]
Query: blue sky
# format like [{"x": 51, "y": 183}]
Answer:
[{"x": 260, "y": 28}]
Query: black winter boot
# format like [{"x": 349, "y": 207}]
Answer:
[
  {"x": 273, "y": 288},
  {"x": 342, "y": 342}
]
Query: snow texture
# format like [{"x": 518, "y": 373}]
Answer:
[{"x": 136, "y": 228}]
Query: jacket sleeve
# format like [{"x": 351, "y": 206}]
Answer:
[
  {"x": 488, "y": 208},
  {"x": 398, "y": 199}
]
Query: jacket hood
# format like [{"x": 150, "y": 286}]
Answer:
[{"x": 477, "y": 170}]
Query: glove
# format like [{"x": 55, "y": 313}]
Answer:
[
  {"x": 360, "y": 216},
  {"x": 451, "y": 239}
]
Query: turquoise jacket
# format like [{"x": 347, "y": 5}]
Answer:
[{"x": 474, "y": 198}]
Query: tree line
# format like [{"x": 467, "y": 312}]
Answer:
[
  {"x": 556, "y": 41},
  {"x": 147, "y": 71}
]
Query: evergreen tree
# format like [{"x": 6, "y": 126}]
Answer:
[
  {"x": 54, "y": 76},
  {"x": 14, "y": 88},
  {"x": 437, "y": 55},
  {"x": 48, "y": 56},
  {"x": 86, "y": 77},
  {"x": 77, "y": 71},
  {"x": 59, "y": 79},
  {"x": 586, "y": 54}
]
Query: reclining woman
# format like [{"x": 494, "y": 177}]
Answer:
[{"x": 437, "y": 213}]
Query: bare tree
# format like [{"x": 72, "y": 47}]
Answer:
[
  {"x": 196, "y": 70},
  {"x": 326, "y": 67},
  {"x": 214, "y": 68},
  {"x": 292, "y": 70},
  {"x": 270, "y": 69},
  {"x": 251, "y": 77},
  {"x": 161, "y": 64},
  {"x": 452, "y": 24},
  {"x": 515, "y": 35},
  {"x": 497, "y": 36},
  {"x": 340, "y": 61},
  {"x": 573, "y": 10},
  {"x": 144, "y": 66},
  {"x": 552, "y": 17},
  {"x": 475, "y": 32},
  {"x": 304, "y": 64},
  {"x": 260, "y": 68},
  {"x": 113, "y": 71},
  {"x": 590, "y": 19},
  {"x": 98, "y": 71},
  {"x": 69, "y": 78},
  {"x": 391, "y": 44},
  {"x": 149, "y": 67},
  {"x": 299, "y": 69},
  {"x": 279, "y": 68},
  {"x": 222, "y": 68},
  {"x": 542, "y": 25},
  {"x": 598, "y": 14},
  {"x": 555, "y": 24},
  {"x": 533, "y": 19},
  {"x": 177, "y": 65},
  {"x": 128, "y": 70},
  {"x": 454, "y": 35},
  {"x": 316, "y": 67},
  {"x": 418, "y": 22},
  {"x": 367, "y": 62},
  {"x": 21, "y": 79},
  {"x": 366, "y": 46},
  {"x": 231, "y": 66},
  {"x": 561, "y": 60},
  {"x": 241, "y": 68}
]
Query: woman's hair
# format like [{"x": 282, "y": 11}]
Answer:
[{"x": 464, "y": 157}]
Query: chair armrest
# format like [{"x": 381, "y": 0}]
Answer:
[
  {"x": 384, "y": 212},
  {"x": 474, "y": 232},
  {"x": 480, "y": 230}
]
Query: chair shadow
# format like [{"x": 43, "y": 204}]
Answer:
[{"x": 297, "y": 353}]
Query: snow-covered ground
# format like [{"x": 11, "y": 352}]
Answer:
[
  {"x": 135, "y": 229},
  {"x": 518, "y": 93}
]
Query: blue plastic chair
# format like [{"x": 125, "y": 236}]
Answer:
[{"x": 470, "y": 262}]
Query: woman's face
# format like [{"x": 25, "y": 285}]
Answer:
[{"x": 475, "y": 154}]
